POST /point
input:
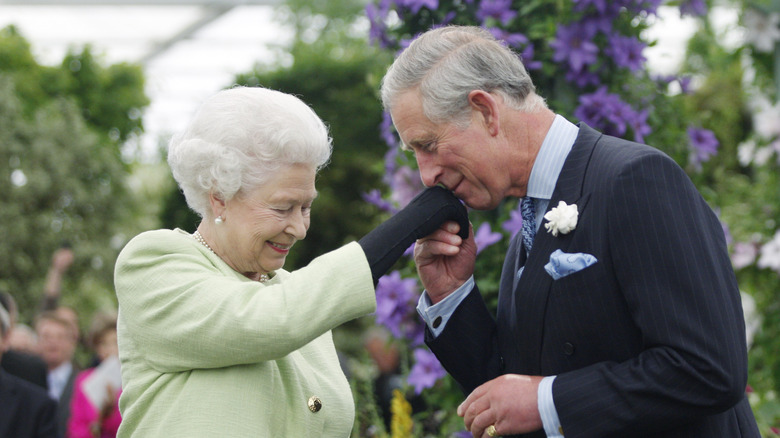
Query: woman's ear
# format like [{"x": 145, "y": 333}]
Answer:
[
  {"x": 218, "y": 206},
  {"x": 487, "y": 109}
]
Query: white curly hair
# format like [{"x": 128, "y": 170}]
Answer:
[{"x": 237, "y": 141}]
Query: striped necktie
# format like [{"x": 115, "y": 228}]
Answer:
[{"x": 528, "y": 213}]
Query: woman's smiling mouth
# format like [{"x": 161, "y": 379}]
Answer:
[{"x": 284, "y": 249}]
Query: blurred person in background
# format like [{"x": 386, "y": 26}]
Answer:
[
  {"x": 61, "y": 261},
  {"x": 23, "y": 339},
  {"x": 57, "y": 345},
  {"x": 26, "y": 411},
  {"x": 215, "y": 337},
  {"x": 94, "y": 408},
  {"x": 20, "y": 358}
]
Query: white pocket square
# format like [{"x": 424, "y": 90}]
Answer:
[{"x": 562, "y": 264}]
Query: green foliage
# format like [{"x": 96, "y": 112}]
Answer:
[
  {"x": 745, "y": 191},
  {"x": 64, "y": 182}
]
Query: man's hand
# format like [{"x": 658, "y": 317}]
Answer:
[
  {"x": 444, "y": 260},
  {"x": 508, "y": 402}
]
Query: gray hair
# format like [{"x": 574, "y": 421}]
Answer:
[
  {"x": 5, "y": 322},
  {"x": 447, "y": 63},
  {"x": 239, "y": 138}
]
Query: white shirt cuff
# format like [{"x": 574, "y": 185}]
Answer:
[
  {"x": 437, "y": 315},
  {"x": 550, "y": 420}
]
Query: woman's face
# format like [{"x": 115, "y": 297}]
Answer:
[
  {"x": 107, "y": 345},
  {"x": 260, "y": 227}
]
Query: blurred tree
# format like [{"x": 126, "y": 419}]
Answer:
[
  {"x": 62, "y": 128},
  {"x": 330, "y": 71}
]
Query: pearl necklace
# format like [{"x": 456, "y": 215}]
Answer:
[{"x": 263, "y": 277}]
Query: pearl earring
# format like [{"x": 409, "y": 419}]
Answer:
[{"x": 218, "y": 220}]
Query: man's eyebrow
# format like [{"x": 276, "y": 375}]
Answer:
[{"x": 418, "y": 143}]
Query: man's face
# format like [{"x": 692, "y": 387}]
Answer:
[
  {"x": 56, "y": 342},
  {"x": 469, "y": 161}
]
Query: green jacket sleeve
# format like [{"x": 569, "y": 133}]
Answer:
[{"x": 188, "y": 309}]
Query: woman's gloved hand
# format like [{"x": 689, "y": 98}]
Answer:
[{"x": 423, "y": 215}]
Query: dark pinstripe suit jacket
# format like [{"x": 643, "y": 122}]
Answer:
[{"x": 650, "y": 340}]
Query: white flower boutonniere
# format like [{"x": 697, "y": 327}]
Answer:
[{"x": 561, "y": 219}]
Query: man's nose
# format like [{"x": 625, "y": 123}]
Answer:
[{"x": 430, "y": 171}]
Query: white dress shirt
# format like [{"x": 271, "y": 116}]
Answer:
[{"x": 58, "y": 380}]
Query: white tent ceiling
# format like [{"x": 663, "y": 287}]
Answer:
[
  {"x": 189, "y": 49},
  {"x": 192, "y": 48}
]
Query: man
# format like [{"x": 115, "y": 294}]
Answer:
[
  {"x": 636, "y": 323},
  {"x": 26, "y": 410},
  {"x": 17, "y": 361},
  {"x": 57, "y": 343}
]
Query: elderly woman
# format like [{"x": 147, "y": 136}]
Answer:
[{"x": 215, "y": 338}]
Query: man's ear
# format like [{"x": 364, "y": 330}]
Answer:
[{"x": 486, "y": 106}]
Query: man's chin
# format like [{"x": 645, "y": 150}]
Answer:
[{"x": 479, "y": 203}]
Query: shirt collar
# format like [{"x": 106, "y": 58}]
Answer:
[
  {"x": 549, "y": 161},
  {"x": 61, "y": 373},
  {"x": 58, "y": 378}
]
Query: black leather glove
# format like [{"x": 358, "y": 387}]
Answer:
[{"x": 424, "y": 215}]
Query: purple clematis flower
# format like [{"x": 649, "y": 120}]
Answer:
[
  {"x": 704, "y": 145},
  {"x": 511, "y": 39},
  {"x": 649, "y": 7},
  {"x": 583, "y": 79},
  {"x": 426, "y": 370},
  {"x": 592, "y": 25},
  {"x": 693, "y": 8},
  {"x": 515, "y": 221},
  {"x": 607, "y": 112},
  {"x": 575, "y": 47},
  {"x": 501, "y": 10},
  {"x": 387, "y": 132},
  {"x": 599, "y": 5},
  {"x": 375, "y": 197},
  {"x": 626, "y": 52},
  {"x": 396, "y": 299},
  {"x": 484, "y": 236},
  {"x": 639, "y": 125},
  {"x": 528, "y": 58},
  {"x": 414, "y": 6},
  {"x": 405, "y": 185},
  {"x": 377, "y": 33},
  {"x": 685, "y": 84}
]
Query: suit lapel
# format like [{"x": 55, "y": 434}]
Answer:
[{"x": 534, "y": 285}]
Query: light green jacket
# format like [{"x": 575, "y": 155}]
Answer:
[{"x": 206, "y": 352}]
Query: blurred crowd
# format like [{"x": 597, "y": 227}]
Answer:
[{"x": 45, "y": 390}]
